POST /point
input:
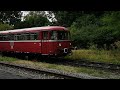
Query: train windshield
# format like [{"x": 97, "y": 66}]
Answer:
[{"x": 60, "y": 35}]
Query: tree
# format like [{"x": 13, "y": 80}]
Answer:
[
  {"x": 82, "y": 30},
  {"x": 109, "y": 30},
  {"x": 101, "y": 31},
  {"x": 10, "y": 17},
  {"x": 33, "y": 19},
  {"x": 66, "y": 18},
  {"x": 4, "y": 27}
]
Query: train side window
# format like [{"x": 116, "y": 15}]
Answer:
[
  {"x": 15, "y": 37},
  {"x": 45, "y": 35},
  {"x": 5, "y": 37},
  {"x": 18, "y": 36},
  {"x": 26, "y": 36},
  {"x": 36, "y": 36},
  {"x": 10, "y": 37},
  {"x": 33, "y": 36},
  {"x": 0, "y": 37},
  {"x": 53, "y": 35},
  {"x": 22, "y": 37}
]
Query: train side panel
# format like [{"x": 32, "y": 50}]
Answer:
[
  {"x": 27, "y": 47},
  {"x": 55, "y": 47}
]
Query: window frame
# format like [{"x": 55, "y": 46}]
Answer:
[
  {"x": 47, "y": 38},
  {"x": 35, "y": 34},
  {"x": 65, "y": 35}
]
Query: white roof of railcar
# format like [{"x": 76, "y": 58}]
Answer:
[{"x": 34, "y": 28}]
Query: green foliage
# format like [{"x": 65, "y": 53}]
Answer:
[
  {"x": 66, "y": 18},
  {"x": 8, "y": 59},
  {"x": 33, "y": 20},
  {"x": 95, "y": 55},
  {"x": 10, "y": 17},
  {"x": 102, "y": 31},
  {"x": 91, "y": 27},
  {"x": 4, "y": 27},
  {"x": 83, "y": 30}
]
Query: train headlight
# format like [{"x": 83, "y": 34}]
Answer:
[
  {"x": 59, "y": 44},
  {"x": 65, "y": 50}
]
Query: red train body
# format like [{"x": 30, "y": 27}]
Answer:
[{"x": 48, "y": 40}]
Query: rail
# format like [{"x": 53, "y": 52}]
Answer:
[{"x": 64, "y": 75}]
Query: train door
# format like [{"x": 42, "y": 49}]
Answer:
[
  {"x": 1, "y": 44},
  {"x": 45, "y": 42},
  {"x": 35, "y": 44},
  {"x": 40, "y": 42}
]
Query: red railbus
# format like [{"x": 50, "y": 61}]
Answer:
[{"x": 47, "y": 40}]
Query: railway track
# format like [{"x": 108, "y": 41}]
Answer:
[
  {"x": 79, "y": 63},
  {"x": 83, "y": 63},
  {"x": 59, "y": 74}
]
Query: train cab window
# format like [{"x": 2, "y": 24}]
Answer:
[
  {"x": 53, "y": 35},
  {"x": 33, "y": 36},
  {"x": 45, "y": 35},
  {"x": 59, "y": 35},
  {"x": 62, "y": 35}
]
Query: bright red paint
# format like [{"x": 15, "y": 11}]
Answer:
[{"x": 43, "y": 47}]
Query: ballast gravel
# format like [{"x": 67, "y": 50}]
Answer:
[{"x": 35, "y": 75}]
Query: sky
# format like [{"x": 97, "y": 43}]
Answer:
[{"x": 24, "y": 14}]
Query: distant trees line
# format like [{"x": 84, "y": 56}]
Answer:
[{"x": 100, "y": 29}]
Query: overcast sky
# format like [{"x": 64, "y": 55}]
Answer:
[{"x": 24, "y": 14}]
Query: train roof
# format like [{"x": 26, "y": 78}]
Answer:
[{"x": 35, "y": 29}]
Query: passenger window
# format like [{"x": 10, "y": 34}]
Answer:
[
  {"x": 54, "y": 35},
  {"x": 26, "y": 36},
  {"x": 22, "y": 37},
  {"x": 5, "y": 38},
  {"x": 33, "y": 36},
  {"x": 15, "y": 37},
  {"x": 0, "y": 37},
  {"x": 11, "y": 37},
  {"x": 19, "y": 37},
  {"x": 45, "y": 35}
]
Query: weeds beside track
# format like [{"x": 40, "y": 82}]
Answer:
[{"x": 62, "y": 75}]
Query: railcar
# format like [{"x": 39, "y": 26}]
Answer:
[{"x": 47, "y": 40}]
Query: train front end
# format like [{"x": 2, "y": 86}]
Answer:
[{"x": 60, "y": 43}]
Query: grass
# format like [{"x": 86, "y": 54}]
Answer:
[
  {"x": 9, "y": 59},
  {"x": 90, "y": 71},
  {"x": 112, "y": 56}
]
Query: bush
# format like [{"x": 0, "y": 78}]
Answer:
[
  {"x": 101, "y": 31},
  {"x": 4, "y": 27}
]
